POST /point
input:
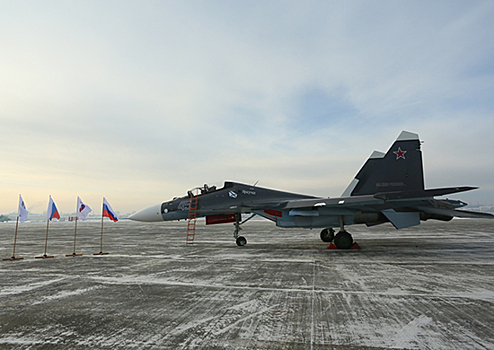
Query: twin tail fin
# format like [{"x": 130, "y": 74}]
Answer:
[{"x": 398, "y": 170}]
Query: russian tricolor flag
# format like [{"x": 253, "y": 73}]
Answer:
[
  {"x": 52, "y": 211},
  {"x": 108, "y": 211}
]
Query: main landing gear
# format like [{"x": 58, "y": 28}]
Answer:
[
  {"x": 327, "y": 235},
  {"x": 342, "y": 240},
  {"x": 240, "y": 240}
]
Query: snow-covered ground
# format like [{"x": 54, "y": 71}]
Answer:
[{"x": 428, "y": 287}]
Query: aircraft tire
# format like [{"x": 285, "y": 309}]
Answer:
[
  {"x": 241, "y": 241},
  {"x": 343, "y": 240},
  {"x": 327, "y": 235}
]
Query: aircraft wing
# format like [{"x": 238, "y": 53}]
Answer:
[
  {"x": 402, "y": 209},
  {"x": 355, "y": 201},
  {"x": 390, "y": 199},
  {"x": 247, "y": 207},
  {"x": 456, "y": 212},
  {"x": 423, "y": 193}
]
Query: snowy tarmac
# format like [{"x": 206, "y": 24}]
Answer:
[{"x": 428, "y": 287}]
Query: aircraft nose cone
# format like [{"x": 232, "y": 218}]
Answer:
[{"x": 149, "y": 214}]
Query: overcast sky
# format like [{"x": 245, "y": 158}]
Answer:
[{"x": 139, "y": 101}]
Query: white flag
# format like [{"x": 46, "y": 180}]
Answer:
[
  {"x": 82, "y": 209},
  {"x": 22, "y": 211}
]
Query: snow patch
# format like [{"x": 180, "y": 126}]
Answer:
[
  {"x": 407, "y": 336},
  {"x": 28, "y": 287},
  {"x": 65, "y": 294}
]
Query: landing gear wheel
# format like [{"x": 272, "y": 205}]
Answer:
[
  {"x": 241, "y": 241},
  {"x": 343, "y": 240},
  {"x": 327, "y": 235}
]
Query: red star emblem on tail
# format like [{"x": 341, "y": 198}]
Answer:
[{"x": 400, "y": 153}]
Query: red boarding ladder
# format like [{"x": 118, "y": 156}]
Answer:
[{"x": 191, "y": 222}]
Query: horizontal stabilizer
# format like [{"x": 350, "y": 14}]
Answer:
[
  {"x": 457, "y": 213},
  {"x": 422, "y": 194},
  {"x": 402, "y": 219}
]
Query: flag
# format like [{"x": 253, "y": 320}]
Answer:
[
  {"x": 82, "y": 209},
  {"x": 52, "y": 211},
  {"x": 22, "y": 211},
  {"x": 108, "y": 211}
]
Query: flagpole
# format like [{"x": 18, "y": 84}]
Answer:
[
  {"x": 20, "y": 211},
  {"x": 15, "y": 236},
  {"x": 46, "y": 240},
  {"x": 44, "y": 256},
  {"x": 101, "y": 244},
  {"x": 75, "y": 231},
  {"x": 15, "y": 240}
]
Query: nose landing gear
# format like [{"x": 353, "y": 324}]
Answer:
[{"x": 240, "y": 240}]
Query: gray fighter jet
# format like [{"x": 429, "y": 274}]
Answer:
[{"x": 388, "y": 188}]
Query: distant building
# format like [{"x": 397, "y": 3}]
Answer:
[
  {"x": 4, "y": 218},
  {"x": 482, "y": 208},
  {"x": 487, "y": 208}
]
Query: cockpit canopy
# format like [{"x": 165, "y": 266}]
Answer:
[{"x": 198, "y": 191}]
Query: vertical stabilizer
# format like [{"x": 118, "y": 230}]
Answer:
[{"x": 400, "y": 169}]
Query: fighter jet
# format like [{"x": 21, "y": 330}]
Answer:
[{"x": 388, "y": 188}]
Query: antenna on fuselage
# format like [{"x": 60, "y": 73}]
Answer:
[{"x": 255, "y": 183}]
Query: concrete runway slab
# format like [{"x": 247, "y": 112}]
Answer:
[{"x": 428, "y": 287}]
